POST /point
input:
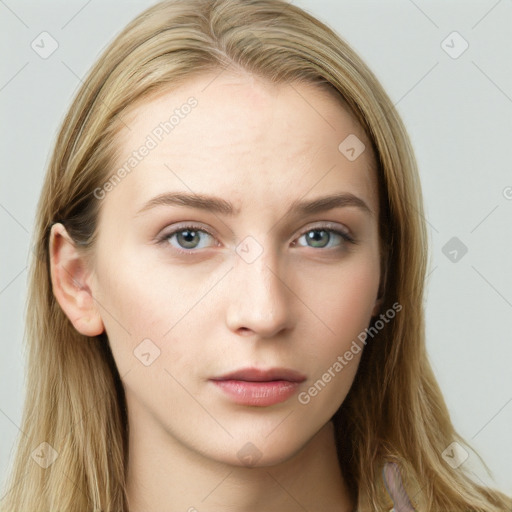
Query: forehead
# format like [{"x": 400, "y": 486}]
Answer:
[{"x": 239, "y": 135}]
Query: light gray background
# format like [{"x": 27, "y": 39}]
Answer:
[{"x": 458, "y": 112}]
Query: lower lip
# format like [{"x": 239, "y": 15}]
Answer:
[{"x": 257, "y": 393}]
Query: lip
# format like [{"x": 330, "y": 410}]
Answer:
[
  {"x": 260, "y": 375},
  {"x": 258, "y": 387}
]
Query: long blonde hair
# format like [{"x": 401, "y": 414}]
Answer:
[{"x": 75, "y": 401}]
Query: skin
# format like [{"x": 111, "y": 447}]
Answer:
[{"x": 299, "y": 306}]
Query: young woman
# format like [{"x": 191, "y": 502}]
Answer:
[{"x": 226, "y": 307}]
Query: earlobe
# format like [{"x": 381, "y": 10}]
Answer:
[{"x": 69, "y": 274}]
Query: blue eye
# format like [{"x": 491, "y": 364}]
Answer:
[
  {"x": 188, "y": 238},
  {"x": 322, "y": 236}
]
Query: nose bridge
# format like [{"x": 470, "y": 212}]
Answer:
[{"x": 259, "y": 296}]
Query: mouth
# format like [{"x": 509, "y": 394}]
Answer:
[{"x": 261, "y": 388}]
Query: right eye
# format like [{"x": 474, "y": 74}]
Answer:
[{"x": 187, "y": 238}]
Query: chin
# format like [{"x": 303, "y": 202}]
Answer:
[{"x": 260, "y": 454}]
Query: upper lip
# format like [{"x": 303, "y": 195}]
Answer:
[{"x": 261, "y": 375}]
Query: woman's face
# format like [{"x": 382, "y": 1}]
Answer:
[{"x": 249, "y": 280}]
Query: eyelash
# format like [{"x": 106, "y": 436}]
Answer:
[{"x": 191, "y": 227}]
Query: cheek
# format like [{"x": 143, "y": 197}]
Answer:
[
  {"x": 335, "y": 354},
  {"x": 143, "y": 301},
  {"x": 132, "y": 308},
  {"x": 356, "y": 296},
  {"x": 344, "y": 304},
  {"x": 348, "y": 295}
]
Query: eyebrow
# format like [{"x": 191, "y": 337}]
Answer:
[{"x": 221, "y": 206}]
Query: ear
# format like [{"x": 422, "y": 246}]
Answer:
[{"x": 70, "y": 281}]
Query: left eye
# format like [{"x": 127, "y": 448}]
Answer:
[
  {"x": 320, "y": 236},
  {"x": 188, "y": 237}
]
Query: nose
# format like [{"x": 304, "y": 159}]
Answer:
[{"x": 260, "y": 299}]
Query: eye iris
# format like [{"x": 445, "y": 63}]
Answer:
[
  {"x": 190, "y": 233},
  {"x": 312, "y": 235}
]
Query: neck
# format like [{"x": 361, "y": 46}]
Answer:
[{"x": 165, "y": 475}]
